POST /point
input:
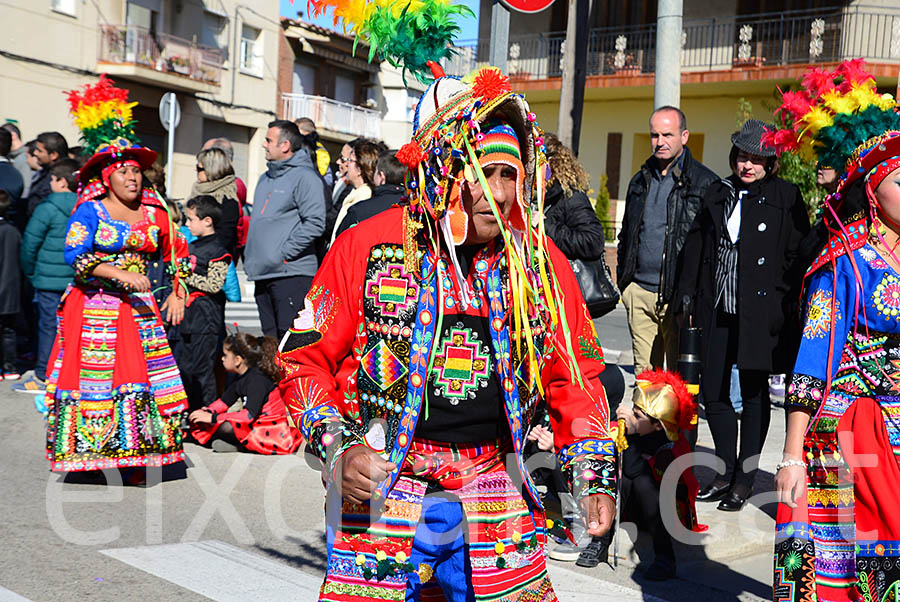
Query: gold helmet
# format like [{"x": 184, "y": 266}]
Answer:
[{"x": 664, "y": 396}]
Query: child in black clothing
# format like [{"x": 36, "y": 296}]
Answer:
[
  {"x": 10, "y": 293},
  {"x": 250, "y": 416},
  {"x": 654, "y": 436},
  {"x": 204, "y": 315}
]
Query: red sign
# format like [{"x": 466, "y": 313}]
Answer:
[{"x": 527, "y": 6}]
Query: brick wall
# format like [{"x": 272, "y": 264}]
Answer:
[{"x": 285, "y": 73}]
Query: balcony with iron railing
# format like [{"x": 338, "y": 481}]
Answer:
[
  {"x": 715, "y": 43},
  {"x": 139, "y": 54},
  {"x": 332, "y": 115}
]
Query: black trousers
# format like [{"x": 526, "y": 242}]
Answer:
[
  {"x": 639, "y": 497},
  {"x": 8, "y": 353},
  {"x": 199, "y": 354},
  {"x": 740, "y": 465},
  {"x": 279, "y": 300}
]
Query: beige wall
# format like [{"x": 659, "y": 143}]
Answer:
[{"x": 33, "y": 94}]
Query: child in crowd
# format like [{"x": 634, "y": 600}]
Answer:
[
  {"x": 654, "y": 436},
  {"x": 204, "y": 316},
  {"x": 44, "y": 264},
  {"x": 10, "y": 241},
  {"x": 251, "y": 415}
]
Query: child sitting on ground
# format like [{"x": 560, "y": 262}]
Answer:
[
  {"x": 10, "y": 293},
  {"x": 250, "y": 416},
  {"x": 654, "y": 436},
  {"x": 204, "y": 314}
]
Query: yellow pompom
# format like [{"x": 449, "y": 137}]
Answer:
[
  {"x": 550, "y": 523},
  {"x": 516, "y": 537},
  {"x": 380, "y": 555},
  {"x": 401, "y": 557},
  {"x": 360, "y": 559},
  {"x": 499, "y": 547}
]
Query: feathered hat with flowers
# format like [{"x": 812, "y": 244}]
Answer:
[
  {"x": 460, "y": 125},
  {"x": 103, "y": 114},
  {"x": 839, "y": 118}
]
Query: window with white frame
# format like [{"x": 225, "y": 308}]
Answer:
[
  {"x": 66, "y": 7},
  {"x": 251, "y": 51}
]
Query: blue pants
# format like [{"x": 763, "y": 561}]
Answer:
[
  {"x": 440, "y": 543},
  {"x": 46, "y": 303}
]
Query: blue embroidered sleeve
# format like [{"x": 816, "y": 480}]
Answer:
[
  {"x": 79, "y": 249},
  {"x": 831, "y": 297},
  {"x": 589, "y": 467}
]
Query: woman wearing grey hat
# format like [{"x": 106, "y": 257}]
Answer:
[{"x": 742, "y": 274}]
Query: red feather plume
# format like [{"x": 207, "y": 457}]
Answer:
[{"x": 687, "y": 406}]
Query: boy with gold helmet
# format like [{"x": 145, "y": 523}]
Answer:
[{"x": 651, "y": 435}]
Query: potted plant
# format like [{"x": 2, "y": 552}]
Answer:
[{"x": 179, "y": 64}]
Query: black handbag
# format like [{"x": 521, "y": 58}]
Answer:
[{"x": 595, "y": 279}]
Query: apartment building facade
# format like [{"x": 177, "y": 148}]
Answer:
[{"x": 218, "y": 56}]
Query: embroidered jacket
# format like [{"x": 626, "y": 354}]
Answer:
[{"x": 356, "y": 361}]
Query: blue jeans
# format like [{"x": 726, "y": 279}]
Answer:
[{"x": 45, "y": 303}]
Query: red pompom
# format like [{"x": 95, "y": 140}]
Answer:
[
  {"x": 410, "y": 155},
  {"x": 687, "y": 406},
  {"x": 490, "y": 83}
]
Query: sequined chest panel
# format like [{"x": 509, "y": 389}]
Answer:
[{"x": 390, "y": 297}]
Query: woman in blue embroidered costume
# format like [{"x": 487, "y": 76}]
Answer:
[
  {"x": 838, "y": 537},
  {"x": 116, "y": 398}
]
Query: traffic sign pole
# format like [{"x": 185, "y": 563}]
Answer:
[{"x": 170, "y": 155}]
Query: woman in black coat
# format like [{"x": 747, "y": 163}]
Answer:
[
  {"x": 742, "y": 275},
  {"x": 569, "y": 217}
]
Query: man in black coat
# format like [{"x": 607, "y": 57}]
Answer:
[{"x": 660, "y": 205}]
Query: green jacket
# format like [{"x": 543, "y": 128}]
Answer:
[{"x": 44, "y": 241}]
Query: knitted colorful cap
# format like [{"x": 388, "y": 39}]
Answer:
[{"x": 497, "y": 136}]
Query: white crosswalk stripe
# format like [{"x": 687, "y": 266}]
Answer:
[
  {"x": 243, "y": 313},
  {"x": 9, "y": 596},
  {"x": 211, "y": 568}
]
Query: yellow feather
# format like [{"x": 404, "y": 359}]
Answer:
[
  {"x": 839, "y": 103},
  {"x": 816, "y": 119}
]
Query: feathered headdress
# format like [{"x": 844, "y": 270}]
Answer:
[
  {"x": 833, "y": 114},
  {"x": 408, "y": 33},
  {"x": 839, "y": 117},
  {"x": 103, "y": 114}
]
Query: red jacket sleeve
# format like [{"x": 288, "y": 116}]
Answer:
[
  {"x": 319, "y": 354},
  {"x": 579, "y": 412}
]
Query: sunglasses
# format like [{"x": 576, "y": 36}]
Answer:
[
  {"x": 346, "y": 160},
  {"x": 200, "y": 168}
]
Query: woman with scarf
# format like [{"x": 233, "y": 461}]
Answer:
[
  {"x": 740, "y": 271},
  {"x": 215, "y": 177},
  {"x": 838, "y": 533},
  {"x": 114, "y": 391}
]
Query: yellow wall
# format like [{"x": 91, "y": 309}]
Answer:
[{"x": 711, "y": 121}]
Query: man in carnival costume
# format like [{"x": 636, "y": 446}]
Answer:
[
  {"x": 429, "y": 336},
  {"x": 838, "y": 533}
]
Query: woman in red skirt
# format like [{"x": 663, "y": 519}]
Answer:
[{"x": 114, "y": 393}]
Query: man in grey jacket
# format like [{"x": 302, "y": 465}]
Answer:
[{"x": 288, "y": 215}]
